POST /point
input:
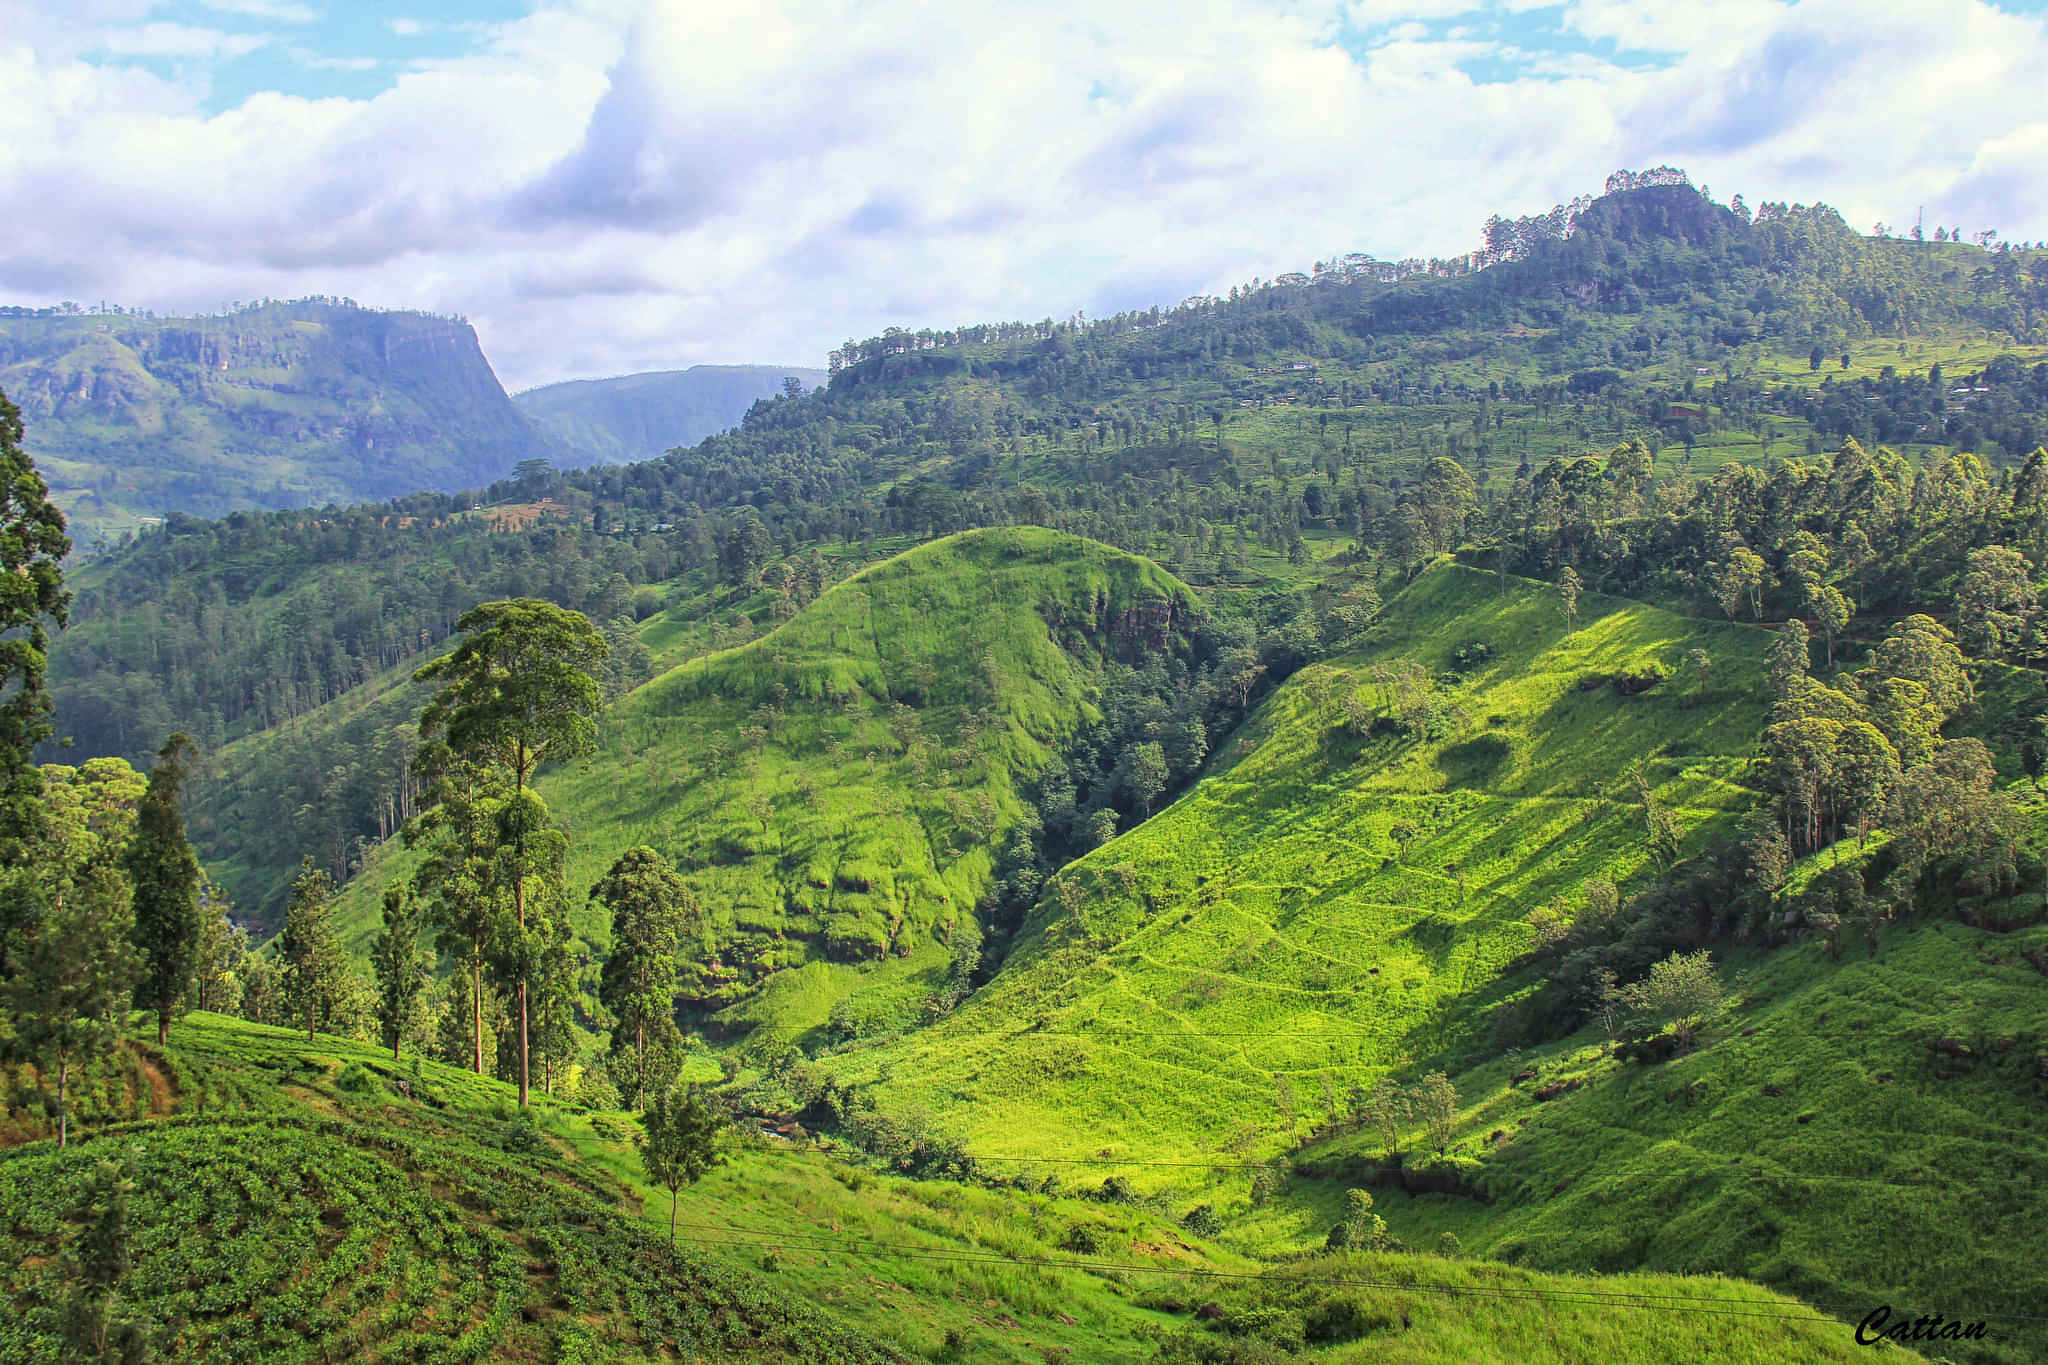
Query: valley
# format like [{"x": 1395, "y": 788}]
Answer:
[{"x": 1479, "y": 809}]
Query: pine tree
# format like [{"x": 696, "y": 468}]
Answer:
[
  {"x": 315, "y": 968},
  {"x": 1568, "y": 597},
  {"x": 400, "y": 965},
  {"x": 531, "y": 863},
  {"x": 652, "y": 907},
  {"x": 76, "y": 975},
  {"x": 32, "y": 550},
  {"x": 166, "y": 875},
  {"x": 223, "y": 957},
  {"x": 554, "y": 1003},
  {"x": 458, "y": 832}
]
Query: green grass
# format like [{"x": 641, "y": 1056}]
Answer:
[
  {"x": 908, "y": 704},
  {"x": 1222, "y": 975},
  {"x": 298, "y": 1206},
  {"x": 1266, "y": 932},
  {"x": 1817, "y": 1140}
]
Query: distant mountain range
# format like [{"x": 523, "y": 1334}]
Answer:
[
  {"x": 640, "y": 416},
  {"x": 133, "y": 418}
]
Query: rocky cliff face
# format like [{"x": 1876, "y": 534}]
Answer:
[{"x": 280, "y": 405}]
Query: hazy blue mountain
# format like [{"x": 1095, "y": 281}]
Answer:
[
  {"x": 641, "y": 416},
  {"x": 132, "y": 418}
]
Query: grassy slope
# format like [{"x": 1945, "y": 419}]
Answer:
[
  {"x": 383, "y": 1226},
  {"x": 864, "y": 872},
  {"x": 1816, "y": 1141},
  {"x": 298, "y": 1209},
  {"x": 1262, "y": 928},
  {"x": 1260, "y": 932}
]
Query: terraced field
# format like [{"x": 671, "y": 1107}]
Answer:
[
  {"x": 318, "y": 1203},
  {"x": 302, "y": 1210},
  {"x": 1229, "y": 970}
]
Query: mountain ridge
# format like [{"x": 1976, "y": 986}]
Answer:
[
  {"x": 135, "y": 418},
  {"x": 625, "y": 418}
]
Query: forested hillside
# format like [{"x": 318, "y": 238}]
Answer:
[
  {"x": 136, "y": 418},
  {"x": 641, "y": 416},
  {"x": 1532, "y": 755}
]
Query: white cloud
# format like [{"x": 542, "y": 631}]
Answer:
[
  {"x": 320, "y": 61},
  {"x": 178, "y": 40},
  {"x": 608, "y": 185},
  {"x": 280, "y": 11}
]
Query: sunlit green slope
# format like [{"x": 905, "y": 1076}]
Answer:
[
  {"x": 1209, "y": 971},
  {"x": 833, "y": 788},
  {"x": 317, "y": 1202}
]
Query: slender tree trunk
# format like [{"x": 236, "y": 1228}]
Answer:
[
  {"x": 163, "y": 1026},
  {"x": 672, "y": 1218},
  {"x": 519, "y": 914},
  {"x": 312, "y": 1019},
  {"x": 476, "y": 1006},
  {"x": 64, "y": 1107},
  {"x": 519, "y": 910}
]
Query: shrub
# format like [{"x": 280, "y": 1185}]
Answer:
[
  {"x": 1202, "y": 1221},
  {"x": 1083, "y": 1238},
  {"x": 1470, "y": 655},
  {"x": 1346, "y": 1319},
  {"x": 357, "y": 1079},
  {"x": 520, "y": 1134}
]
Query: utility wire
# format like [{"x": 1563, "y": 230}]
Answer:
[
  {"x": 1396, "y": 1285},
  {"x": 1645, "y": 1300}
]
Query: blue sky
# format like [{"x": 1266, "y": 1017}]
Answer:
[
  {"x": 613, "y": 185},
  {"x": 318, "y": 49}
]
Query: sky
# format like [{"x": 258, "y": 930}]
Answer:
[{"x": 608, "y": 186}]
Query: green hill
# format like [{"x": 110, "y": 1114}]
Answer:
[
  {"x": 1225, "y": 981},
  {"x": 1344, "y": 896},
  {"x": 1128, "y": 857},
  {"x": 641, "y": 416},
  {"x": 305, "y": 1202},
  {"x": 135, "y": 418},
  {"x": 1268, "y": 930},
  {"x": 833, "y": 789},
  {"x": 1214, "y": 437}
]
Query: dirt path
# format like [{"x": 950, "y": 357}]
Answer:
[{"x": 163, "y": 1089}]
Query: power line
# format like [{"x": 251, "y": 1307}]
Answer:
[
  {"x": 1021, "y": 1033},
  {"x": 1733, "y": 1168},
  {"x": 1656, "y": 1301},
  {"x": 1498, "y": 1291}
]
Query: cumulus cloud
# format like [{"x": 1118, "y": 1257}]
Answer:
[{"x": 609, "y": 185}]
